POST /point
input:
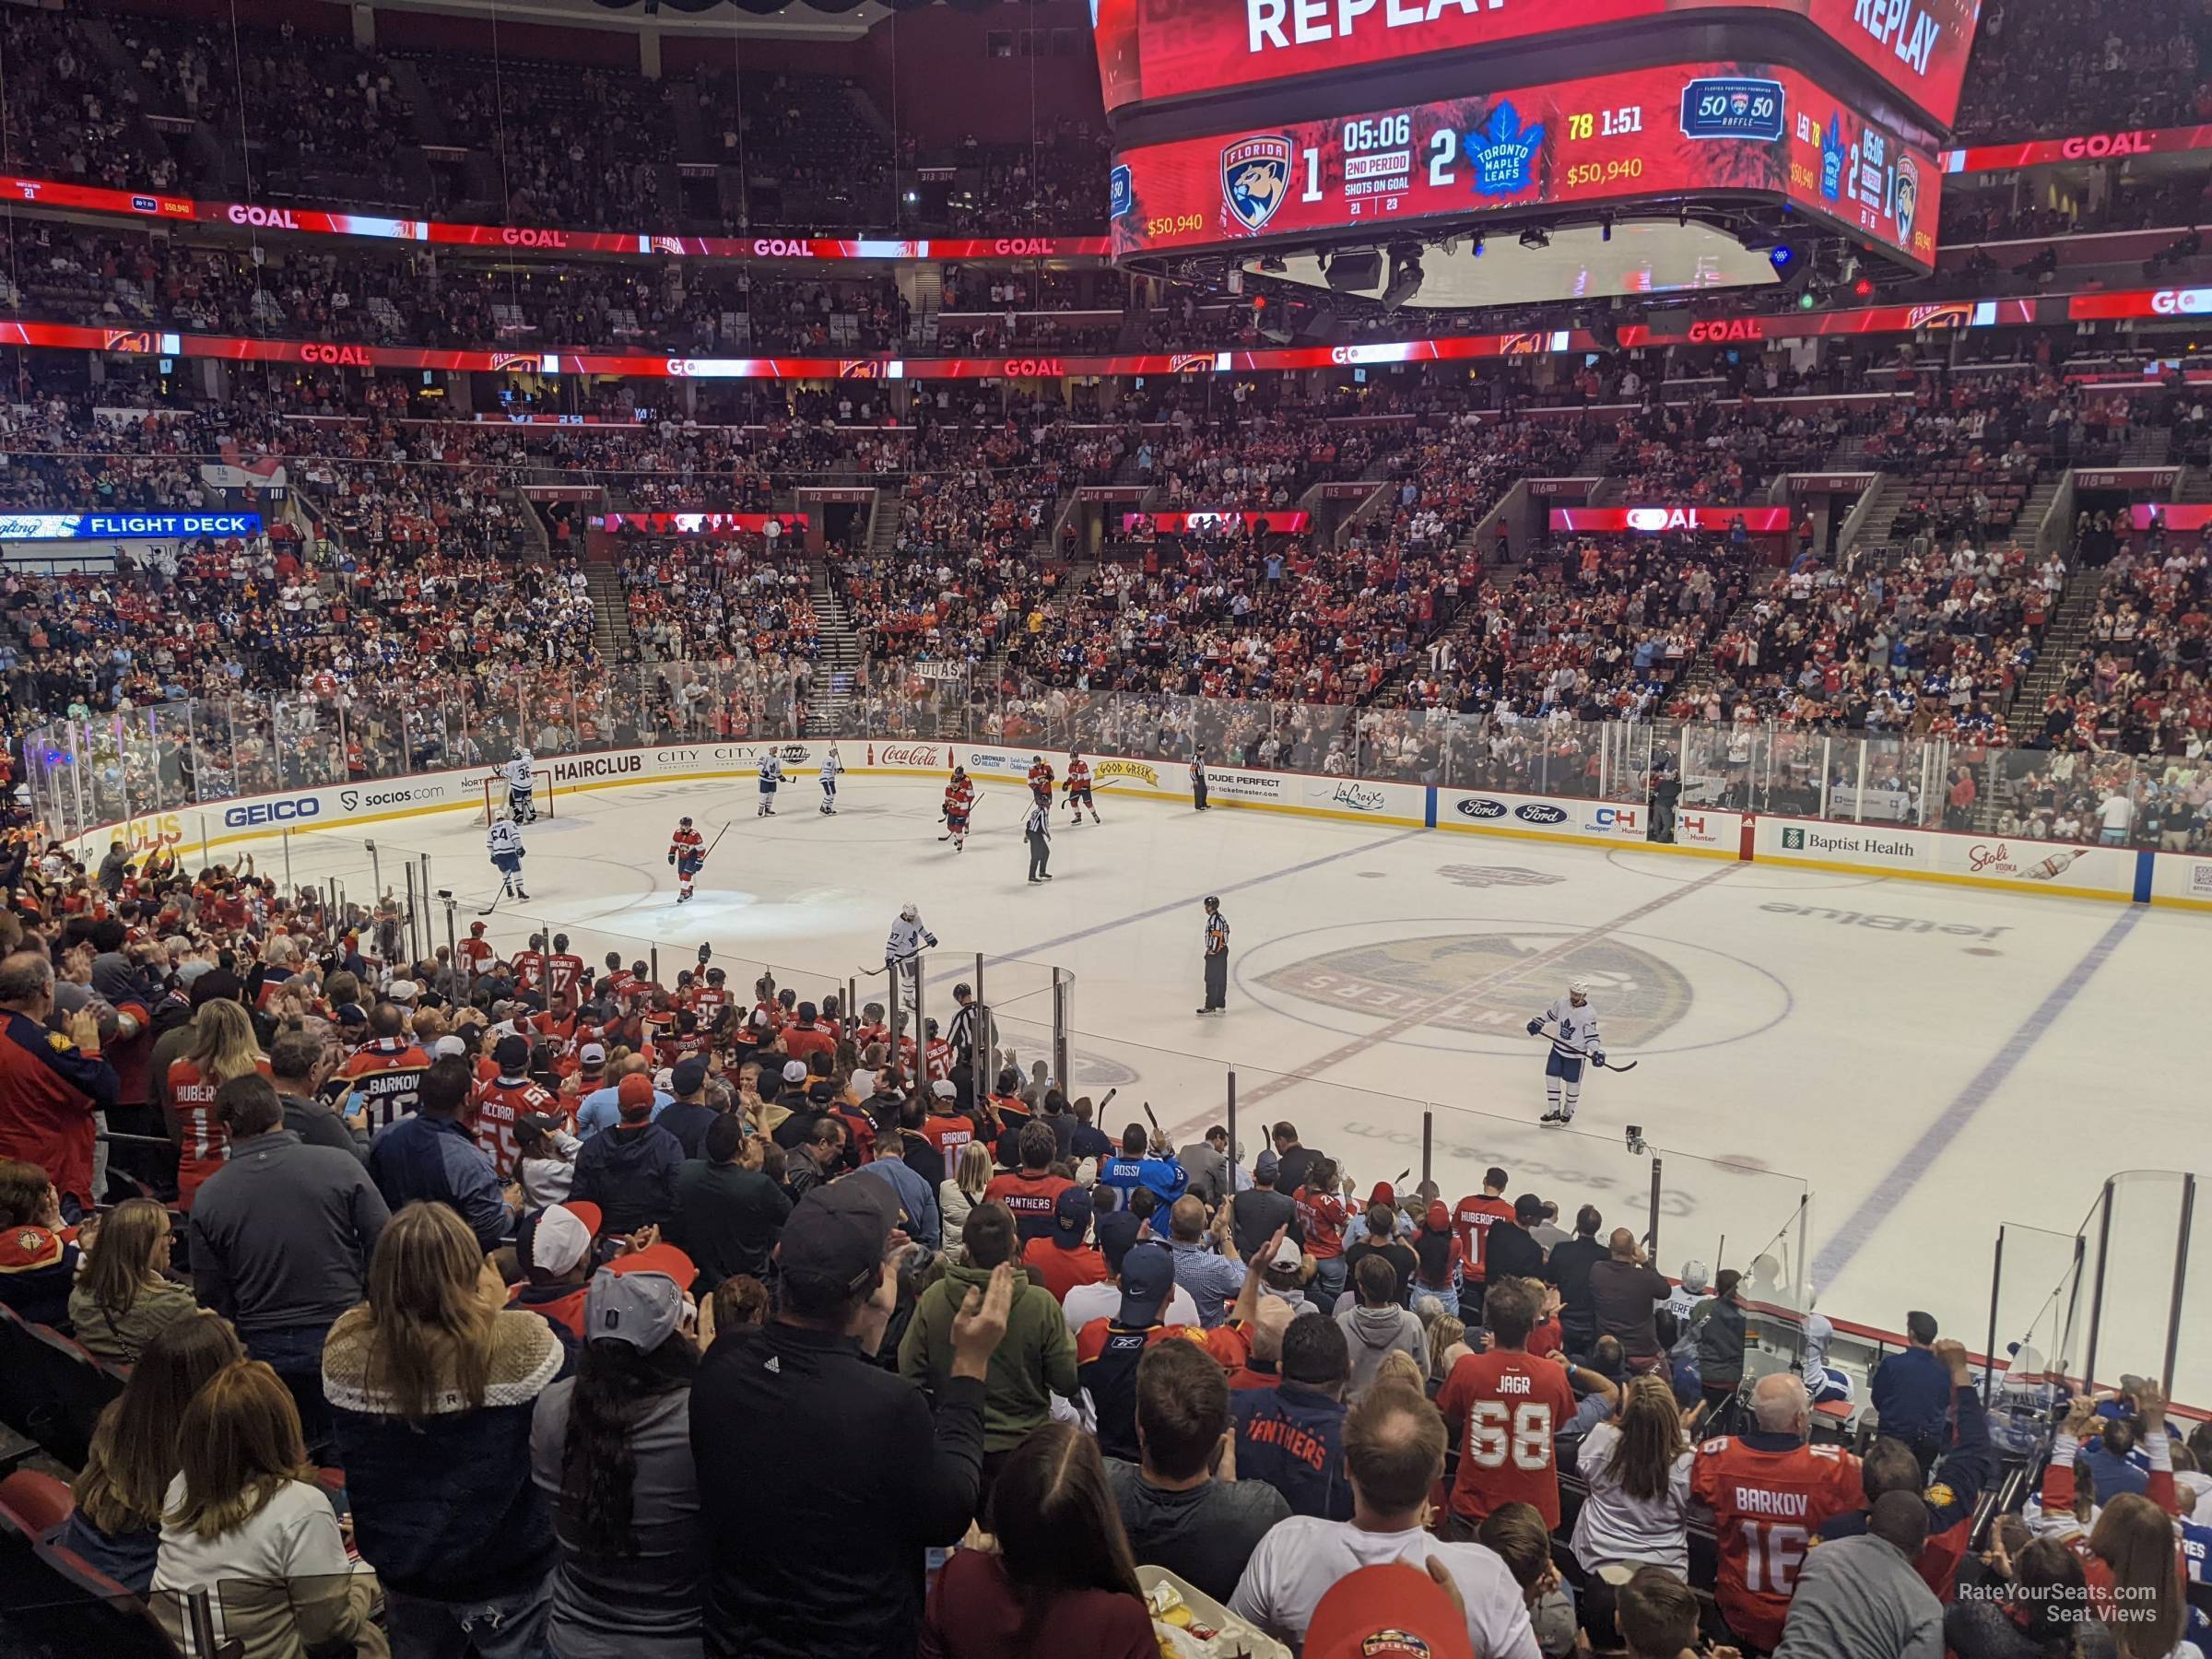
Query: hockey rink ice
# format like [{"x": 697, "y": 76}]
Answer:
[{"x": 1925, "y": 1061}]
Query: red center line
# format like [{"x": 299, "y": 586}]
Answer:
[{"x": 1444, "y": 1000}]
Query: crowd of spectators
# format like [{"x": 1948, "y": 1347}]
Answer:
[{"x": 599, "y": 1304}]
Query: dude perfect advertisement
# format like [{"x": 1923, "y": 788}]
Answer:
[
  {"x": 1683, "y": 129},
  {"x": 1150, "y": 50}
]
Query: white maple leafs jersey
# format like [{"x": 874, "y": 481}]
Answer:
[
  {"x": 906, "y": 940},
  {"x": 772, "y": 769},
  {"x": 831, "y": 766},
  {"x": 504, "y": 836},
  {"x": 1573, "y": 1030},
  {"x": 518, "y": 774}
]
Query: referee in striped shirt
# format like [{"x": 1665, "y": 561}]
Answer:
[{"x": 1217, "y": 958}]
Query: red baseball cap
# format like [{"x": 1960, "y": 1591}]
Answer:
[
  {"x": 1391, "y": 1610},
  {"x": 1439, "y": 1216},
  {"x": 657, "y": 1258},
  {"x": 1382, "y": 1195}
]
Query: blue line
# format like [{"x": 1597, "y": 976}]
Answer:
[
  {"x": 1175, "y": 905},
  {"x": 2147, "y": 864},
  {"x": 1912, "y": 1168}
]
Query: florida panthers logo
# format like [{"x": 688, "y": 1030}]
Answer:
[{"x": 1255, "y": 178}]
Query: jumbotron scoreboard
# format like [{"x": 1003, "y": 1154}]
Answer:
[{"x": 1258, "y": 127}]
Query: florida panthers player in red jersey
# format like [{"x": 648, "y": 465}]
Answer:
[
  {"x": 959, "y": 800},
  {"x": 1078, "y": 788},
  {"x": 1040, "y": 781},
  {"x": 687, "y": 852}
]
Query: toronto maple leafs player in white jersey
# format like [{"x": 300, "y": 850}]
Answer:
[
  {"x": 1573, "y": 1027},
  {"x": 522, "y": 798},
  {"x": 504, "y": 840},
  {"x": 833, "y": 768},
  {"x": 902, "y": 950},
  {"x": 771, "y": 774}
]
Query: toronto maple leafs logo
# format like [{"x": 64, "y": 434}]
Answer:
[
  {"x": 1832, "y": 151},
  {"x": 1255, "y": 178},
  {"x": 1503, "y": 152}
]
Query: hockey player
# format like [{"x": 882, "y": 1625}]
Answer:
[
  {"x": 530, "y": 965},
  {"x": 1078, "y": 788},
  {"x": 687, "y": 852},
  {"x": 771, "y": 774},
  {"x": 902, "y": 951},
  {"x": 564, "y": 970},
  {"x": 1040, "y": 781},
  {"x": 521, "y": 797},
  {"x": 504, "y": 840},
  {"x": 832, "y": 769},
  {"x": 1574, "y": 1044},
  {"x": 959, "y": 801}
]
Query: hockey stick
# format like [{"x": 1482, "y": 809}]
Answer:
[
  {"x": 495, "y": 901},
  {"x": 1607, "y": 1064}
]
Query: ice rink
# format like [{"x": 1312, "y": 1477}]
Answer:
[{"x": 1919, "y": 1063}]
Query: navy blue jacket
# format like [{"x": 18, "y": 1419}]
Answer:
[
  {"x": 630, "y": 1173},
  {"x": 1912, "y": 1394},
  {"x": 435, "y": 1159},
  {"x": 1292, "y": 1437}
]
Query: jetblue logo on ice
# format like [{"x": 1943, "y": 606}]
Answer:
[
  {"x": 1255, "y": 178},
  {"x": 1540, "y": 812},
  {"x": 1118, "y": 193},
  {"x": 1503, "y": 152},
  {"x": 1478, "y": 808}
]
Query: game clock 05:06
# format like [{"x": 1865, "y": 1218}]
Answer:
[{"x": 1377, "y": 132}]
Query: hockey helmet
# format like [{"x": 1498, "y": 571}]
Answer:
[
  {"x": 682, "y": 823},
  {"x": 910, "y": 912},
  {"x": 1578, "y": 989}
]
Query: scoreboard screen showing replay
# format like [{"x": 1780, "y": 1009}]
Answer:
[
  {"x": 1692, "y": 129},
  {"x": 1153, "y": 49}
]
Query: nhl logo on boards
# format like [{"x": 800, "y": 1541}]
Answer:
[{"x": 1255, "y": 178}]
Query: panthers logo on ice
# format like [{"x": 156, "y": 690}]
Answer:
[{"x": 1468, "y": 982}]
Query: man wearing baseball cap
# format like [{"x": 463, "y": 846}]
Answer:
[
  {"x": 600, "y": 1110},
  {"x": 687, "y": 1116},
  {"x": 637, "y": 1319},
  {"x": 800, "y": 1437},
  {"x": 630, "y": 1170},
  {"x": 1066, "y": 1258},
  {"x": 555, "y": 1246},
  {"x": 1390, "y": 1609},
  {"x": 1108, "y": 1350}
]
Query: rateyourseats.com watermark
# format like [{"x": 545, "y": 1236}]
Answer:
[{"x": 2077, "y": 1604}]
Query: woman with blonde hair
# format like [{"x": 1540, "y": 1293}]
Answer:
[
  {"x": 1447, "y": 1347},
  {"x": 123, "y": 1486},
  {"x": 1638, "y": 1467},
  {"x": 246, "y": 1523},
  {"x": 124, "y": 1297},
  {"x": 963, "y": 1189},
  {"x": 223, "y": 1046},
  {"x": 432, "y": 1383}
]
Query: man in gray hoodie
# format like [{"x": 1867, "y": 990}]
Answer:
[
  {"x": 1377, "y": 1323},
  {"x": 1862, "y": 1597}
]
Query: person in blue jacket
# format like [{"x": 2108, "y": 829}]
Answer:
[{"x": 1142, "y": 1163}]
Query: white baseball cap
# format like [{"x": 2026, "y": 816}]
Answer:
[
  {"x": 592, "y": 1053},
  {"x": 449, "y": 1045},
  {"x": 403, "y": 991},
  {"x": 794, "y": 1071},
  {"x": 560, "y": 1242},
  {"x": 943, "y": 1089}
]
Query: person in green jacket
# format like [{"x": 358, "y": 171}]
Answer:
[{"x": 1037, "y": 1359}]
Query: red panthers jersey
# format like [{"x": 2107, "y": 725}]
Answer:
[
  {"x": 687, "y": 841},
  {"x": 530, "y": 969},
  {"x": 499, "y": 1105},
  {"x": 1041, "y": 776},
  {"x": 563, "y": 972},
  {"x": 1078, "y": 776},
  {"x": 1769, "y": 1495},
  {"x": 1508, "y": 1405}
]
